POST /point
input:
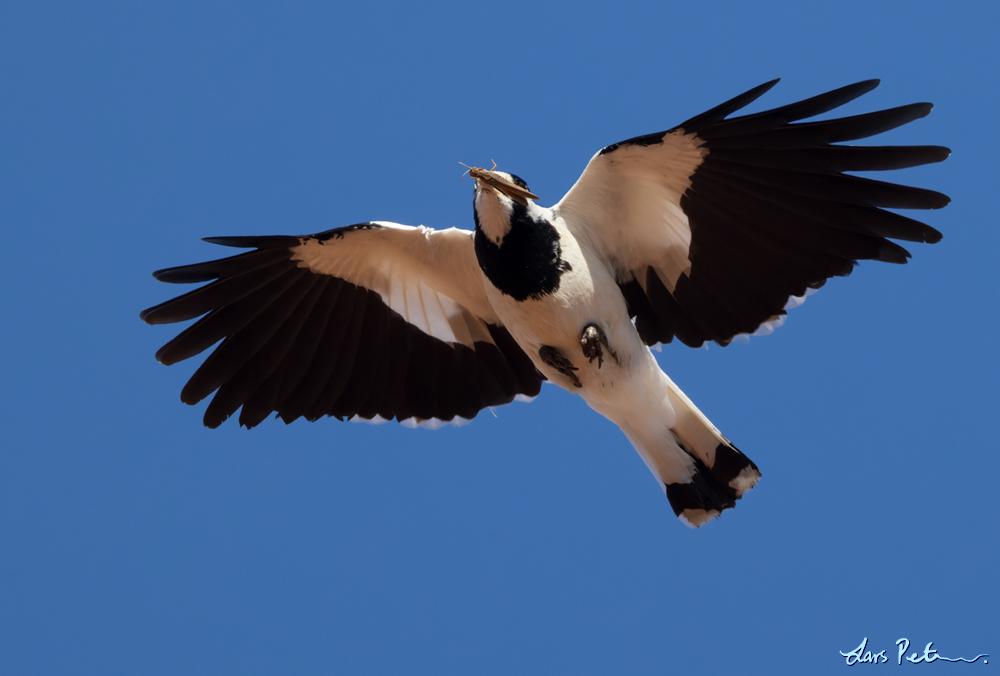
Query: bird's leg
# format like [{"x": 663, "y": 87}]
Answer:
[
  {"x": 553, "y": 358},
  {"x": 593, "y": 341}
]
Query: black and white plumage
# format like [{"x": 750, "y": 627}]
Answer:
[{"x": 703, "y": 232}]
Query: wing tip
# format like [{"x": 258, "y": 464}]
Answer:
[
  {"x": 254, "y": 241},
  {"x": 225, "y": 241},
  {"x": 164, "y": 275}
]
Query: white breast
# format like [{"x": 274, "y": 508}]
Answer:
[{"x": 587, "y": 293}]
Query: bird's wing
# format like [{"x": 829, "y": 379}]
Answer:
[
  {"x": 714, "y": 227},
  {"x": 374, "y": 321}
]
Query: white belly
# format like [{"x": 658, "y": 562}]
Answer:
[{"x": 587, "y": 294}]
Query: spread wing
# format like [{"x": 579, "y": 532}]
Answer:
[
  {"x": 714, "y": 227},
  {"x": 374, "y": 321}
]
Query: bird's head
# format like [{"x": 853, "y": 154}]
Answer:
[{"x": 497, "y": 196}]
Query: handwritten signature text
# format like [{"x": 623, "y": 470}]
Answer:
[{"x": 861, "y": 655}]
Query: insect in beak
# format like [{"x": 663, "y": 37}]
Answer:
[{"x": 498, "y": 182}]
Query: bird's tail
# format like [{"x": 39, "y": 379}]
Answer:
[{"x": 700, "y": 470}]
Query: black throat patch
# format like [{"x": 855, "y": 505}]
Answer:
[{"x": 528, "y": 261}]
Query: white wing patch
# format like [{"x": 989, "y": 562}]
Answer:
[
  {"x": 429, "y": 277},
  {"x": 628, "y": 201}
]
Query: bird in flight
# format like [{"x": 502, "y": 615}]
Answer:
[{"x": 704, "y": 232}]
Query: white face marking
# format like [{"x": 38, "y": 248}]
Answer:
[{"x": 494, "y": 210}]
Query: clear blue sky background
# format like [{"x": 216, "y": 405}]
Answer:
[{"x": 134, "y": 541}]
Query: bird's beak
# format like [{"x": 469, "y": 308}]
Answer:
[{"x": 498, "y": 182}]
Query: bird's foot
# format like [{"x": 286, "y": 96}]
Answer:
[
  {"x": 553, "y": 358},
  {"x": 593, "y": 341}
]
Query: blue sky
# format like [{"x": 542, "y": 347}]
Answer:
[{"x": 133, "y": 540}]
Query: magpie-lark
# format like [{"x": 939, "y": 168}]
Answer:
[{"x": 704, "y": 232}]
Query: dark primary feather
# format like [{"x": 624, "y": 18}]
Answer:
[
  {"x": 224, "y": 267},
  {"x": 309, "y": 345},
  {"x": 721, "y": 111},
  {"x": 769, "y": 119},
  {"x": 834, "y": 159},
  {"x": 821, "y": 133}
]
